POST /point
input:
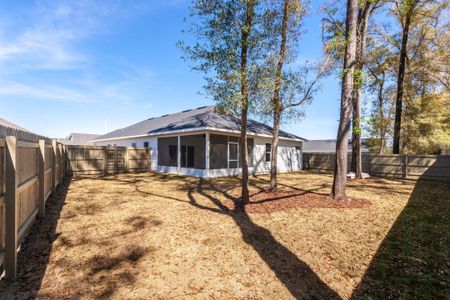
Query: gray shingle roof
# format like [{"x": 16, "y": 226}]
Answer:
[
  {"x": 82, "y": 138},
  {"x": 6, "y": 123},
  {"x": 199, "y": 118},
  {"x": 78, "y": 139}
]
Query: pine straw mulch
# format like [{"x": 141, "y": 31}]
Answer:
[
  {"x": 158, "y": 236},
  {"x": 269, "y": 202}
]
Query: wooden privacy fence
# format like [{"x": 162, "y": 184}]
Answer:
[
  {"x": 29, "y": 173},
  {"x": 103, "y": 160},
  {"x": 434, "y": 167}
]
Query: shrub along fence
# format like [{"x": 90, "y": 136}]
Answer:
[
  {"x": 103, "y": 160},
  {"x": 434, "y": 167},
  {"x": 30, "y": 173}
]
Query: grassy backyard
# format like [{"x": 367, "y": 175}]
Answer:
[{"x": 163, "y": 236}]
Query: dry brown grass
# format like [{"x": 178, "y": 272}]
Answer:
[{"x": 138, "y": 236}]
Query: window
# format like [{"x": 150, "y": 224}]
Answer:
[
  {"x": 133, "y": 144},
  {"x": 298, "y": 148},
  {"x": 146, "y": 144},
  {"x": 268, "y": 152}
]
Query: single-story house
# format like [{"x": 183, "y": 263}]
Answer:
[
  {"x": 329, "y": 146},
  {"x": 78, "y": 139},
  {"x": 204, "y": 143}
]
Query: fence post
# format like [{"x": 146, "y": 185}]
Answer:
[
  {"x": 149, "y": 158},
  {"x": 116, "y": 162},
  {"x": 68, "y": 163},
  {"x": 68, "y": 172},
  {"x": 405, "y": 166},
  {"x": 61, "y": 160},
  {"x": 41, "y": 178},
  {"x": 105, "y": 160},
  {"x": 126, "y": 162},
  {"x": 53, "y": 166},
  {"x": 368, "y": 165},
  {"x": 11, "y": 181}
]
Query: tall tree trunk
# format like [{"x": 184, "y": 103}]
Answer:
[
  {"x": 276, "y": 105},
  {"x": 340, "y": 172},
  {"x": 400, "y": 83},
  {"x": 356, "y": 165},
  {"x": 363, "y": 20},
  {"x": 274, "y": 154},
  {"x": 381, "y": 117},
  {"x": 244, "y": 105}
]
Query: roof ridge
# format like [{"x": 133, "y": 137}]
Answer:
[{"x": 180, "y": 112}]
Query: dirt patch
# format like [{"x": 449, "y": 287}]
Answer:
[{"x": 269, "y": 202}]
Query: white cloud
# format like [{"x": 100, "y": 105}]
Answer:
[
  {"x": 50, "y": 36},
  {"x": 124, "y": 89},
  {"x": 43, "y": 92}
]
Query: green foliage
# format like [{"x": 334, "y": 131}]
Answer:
[
  {"x": 217, "y": 27},
  {"x": 423, "y": 129},
  {"x": 359, "y": 77},
  {"x": 426, "y": 125}
]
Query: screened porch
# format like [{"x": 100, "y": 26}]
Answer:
[{"x": 198, "y": 154}]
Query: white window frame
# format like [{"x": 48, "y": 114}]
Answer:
[{"x": 268, "y": 152}]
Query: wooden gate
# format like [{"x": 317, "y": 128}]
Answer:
[
  {"x": 102, "y": 160},
  {"x": 115, "y": 160}
]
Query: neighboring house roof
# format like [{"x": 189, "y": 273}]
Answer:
[
  {"x": 202, "y": 118},
  {"x": 6, "y": 123},
  {"x": 78, "y": 139},
  {"x": 21, "y": 133},
  {"x": 82, "y": 138},
  {"x": 66, "y": 141},
  {"x": 329, "y": 146}
]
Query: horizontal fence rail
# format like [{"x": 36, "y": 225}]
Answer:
[
  {"x": 433, "y": 167},
  {"x": 103, "y": 160}
]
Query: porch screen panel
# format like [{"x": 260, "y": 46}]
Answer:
[
  {"x": 219, "y": 151},
  {"x": 193, "y": 151},
  {"x": 218, "y": 157},
  {"x": 167, "y": 151}
]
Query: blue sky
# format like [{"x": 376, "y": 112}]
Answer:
[{"x": 95, "y": 66}]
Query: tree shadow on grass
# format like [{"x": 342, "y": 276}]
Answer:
[
  {"x": 35, "y": 250},
  {"x": 413, "y": 261},
  {"x": 296, "y": 275}
]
